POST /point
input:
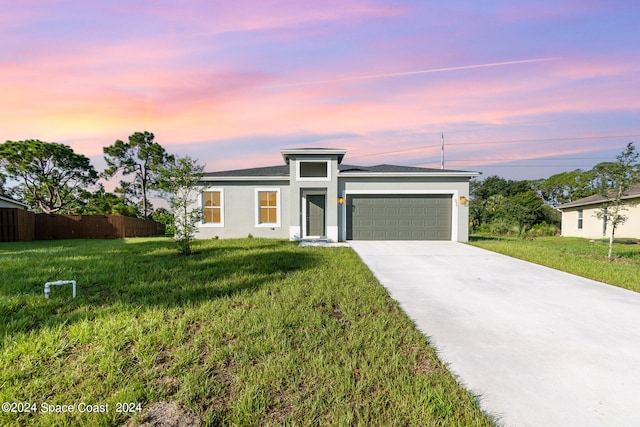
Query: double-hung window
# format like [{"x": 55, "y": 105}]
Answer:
[
  {"x": 580, "y": 218},
  {"x": 212, "y": 206},
  {"x": 267, "y": 207}
]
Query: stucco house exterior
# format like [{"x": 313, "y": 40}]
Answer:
[
  {"x": 579, "y": 217},
  {"x": 314, "y": 196},
  {"x": 8, "y": 202}
]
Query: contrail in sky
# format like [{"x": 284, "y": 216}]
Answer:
[{"x": 409, "y": 73}]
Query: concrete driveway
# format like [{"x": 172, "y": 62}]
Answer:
[{"x": 540, "y": 347}]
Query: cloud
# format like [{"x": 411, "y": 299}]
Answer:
[
  {"x": 235, "y": 81},
  {"x": 201, "y": 19},
  {"x": 555, "y": 11}
]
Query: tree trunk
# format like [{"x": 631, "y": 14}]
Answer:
[
  {"x": 613, "y": 231},
  {"x": 143, "y": 187},
  {"x": 185, "y": 235}
]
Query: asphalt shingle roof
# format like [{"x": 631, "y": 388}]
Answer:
[
  {"x": 283, "y": 170},
  {"x": 384, "y": 168},
  {"x": 633, "y": 192}
]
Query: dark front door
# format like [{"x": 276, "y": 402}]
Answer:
[{"x": 315, "y": 215}]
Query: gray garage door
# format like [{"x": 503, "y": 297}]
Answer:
[{"x": 399, "y": 217}]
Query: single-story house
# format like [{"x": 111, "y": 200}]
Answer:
[
  {"x": 8, "y": 202},
  {"x": 579, "y": 217},
  {"x": 314, "y": 196}
]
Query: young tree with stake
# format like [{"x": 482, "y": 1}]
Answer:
[
  {"x": 180, "y": 180},
  {"x": 615, "y": 178}
]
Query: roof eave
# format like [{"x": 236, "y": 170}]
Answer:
[
  {"x": 244, "y": 178},
  {"x": 578, "y": 204},
  {"x": 406, "y": 174},
  {"x": 15, "y": 202},
  {"x": 287, "y": 153}
]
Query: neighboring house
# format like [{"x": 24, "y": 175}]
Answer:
[
  {"x": 579, "y": 217},
  {"x": 314, "y": 196},
  {"x": 8, "y": 202}
]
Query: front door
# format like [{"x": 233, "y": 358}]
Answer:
[{"x": 315, "y": 215}]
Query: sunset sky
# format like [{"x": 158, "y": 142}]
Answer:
[{"x": 522, "y": 89}]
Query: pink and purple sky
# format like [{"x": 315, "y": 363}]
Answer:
[{"x": 520, "y": 89}]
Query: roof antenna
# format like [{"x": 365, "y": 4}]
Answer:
[{"x": 442, "y": 151}]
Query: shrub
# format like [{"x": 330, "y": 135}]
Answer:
[{"x": 544, "y": 229}]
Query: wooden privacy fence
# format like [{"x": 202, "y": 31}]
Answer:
[
  {"x": 94, "y": 227},
  {"x": 24, "y": 226},
  {"x": 16, "y": 225}
]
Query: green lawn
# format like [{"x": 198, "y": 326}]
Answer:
[
  {"x": 574, "y": 255},
  {"x": 244, "y": 332}
]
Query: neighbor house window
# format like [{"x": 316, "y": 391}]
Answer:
[
  {"x": 580, "y": 218},
  {"x": 212, "y": 206},
  {"x": 268, "y": 207},
  {"x": 313, "y": 170}
]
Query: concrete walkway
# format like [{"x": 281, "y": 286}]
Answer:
[{"x": 540, "y": 347}]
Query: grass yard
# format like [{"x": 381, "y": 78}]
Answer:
[
  {"x": 244, "y": 332},
  {"x": 574, "y": 255}
]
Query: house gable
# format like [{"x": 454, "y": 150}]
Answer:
[{"x": 597, "y": 199}]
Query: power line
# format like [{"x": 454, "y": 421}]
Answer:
[
  {"x": 534, "y": 166},
  {"x": 395, "y": 151},
  {"x": 511, "y": 166},
  {"x": 546, "y": 140},
  {"x": 521, "y": 159},
  {"x": 514, "y": 141},
  {"x": 483, "y": 162},
  {"x": 484, "y": 165}
]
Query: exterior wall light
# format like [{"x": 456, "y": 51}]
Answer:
[
  {"x": 340, "y": 200},
  {"x": 463, "y": 200}
]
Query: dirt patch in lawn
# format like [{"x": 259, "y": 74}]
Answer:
[{"x": 166, "y": 414}]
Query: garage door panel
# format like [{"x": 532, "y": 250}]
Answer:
[
  {"x": 399, "y": 217},
  {"x": 418, "y": 223},
  {"x": 418, "y": 211},
  {"x": 405, "y": 210},
  {"x": 391, "y": 223},
  {"x": 391, "y": 211},
  {"x": 404, "y": 235}
]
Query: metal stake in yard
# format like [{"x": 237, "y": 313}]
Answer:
[{"x": 47, "y": 286}]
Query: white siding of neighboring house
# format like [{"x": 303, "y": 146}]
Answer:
[
  {"x": 592, "y": 227},
  {"x": 4, "y": 203}
]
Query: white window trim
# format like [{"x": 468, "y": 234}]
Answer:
[
  {"x": 201, "y": 202},
  {"x": 257, "y": 208},
  {"x": 319, "y": 160}
]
